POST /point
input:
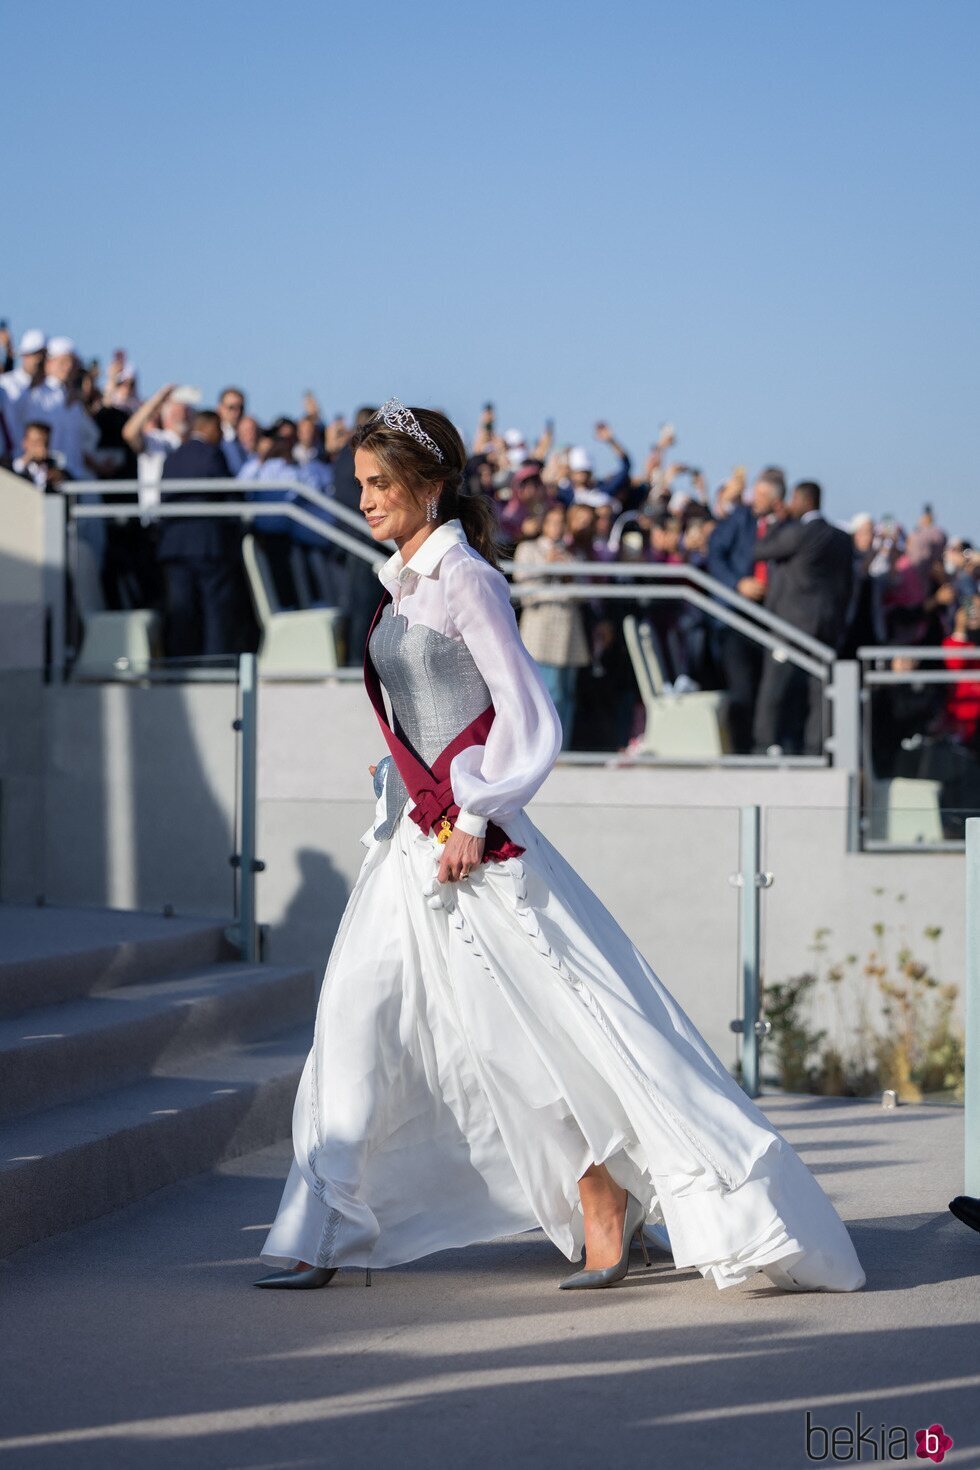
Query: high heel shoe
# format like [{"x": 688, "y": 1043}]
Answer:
[
  {"x": 306, "y": 1280},
  {"x": 632, "y": 1225}
]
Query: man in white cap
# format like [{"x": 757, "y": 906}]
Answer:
[
  {"x": 15, "y": 384},
  {"x": 49, "y": 392},
  {"x": 74, "y": 433},
  {"x": 585, "y": 490},
  {"x": 516, "y": 448},
  {"x": 151, "y": 446}
]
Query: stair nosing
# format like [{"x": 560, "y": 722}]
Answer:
[
  {"x": 256, "y": 976},
  {"x": 17, "y": 1131},
  {"x": 110, "y": 965}
]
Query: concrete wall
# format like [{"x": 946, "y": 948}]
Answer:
[
  {"x": 125, "y": 796},
  {"x": 21, "y": 573},
  {"x": 23, "y": 723}
]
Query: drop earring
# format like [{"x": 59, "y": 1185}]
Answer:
[{"x": 431, "y": 508}]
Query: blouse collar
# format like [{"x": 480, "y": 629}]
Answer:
[{"x": 426, "y": 559}]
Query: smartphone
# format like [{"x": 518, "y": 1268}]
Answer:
[{"x": 549, "y": 426}]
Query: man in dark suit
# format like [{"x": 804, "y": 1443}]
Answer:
[
  {"x": 813, "y": 592},
  {"x": 733, "y": 559},
  {"x": 201, "y": 555}
]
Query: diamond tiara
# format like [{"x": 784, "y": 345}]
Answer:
[{"x": 396, "y": 416}]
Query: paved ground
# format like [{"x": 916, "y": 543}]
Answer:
[{"x": 138, "y": 1340}]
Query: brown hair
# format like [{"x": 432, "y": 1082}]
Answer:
[{"x": 411, "y": 464}]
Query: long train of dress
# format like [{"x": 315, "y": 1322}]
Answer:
[{"x": 479, "y": 1044}]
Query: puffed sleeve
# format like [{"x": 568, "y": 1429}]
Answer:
[{"x": 491, "y": 780}]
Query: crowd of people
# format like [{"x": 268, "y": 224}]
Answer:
[{"x": 866, "y": 581}]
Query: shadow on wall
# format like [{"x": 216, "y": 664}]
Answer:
[{"x": 305, "y": 930}]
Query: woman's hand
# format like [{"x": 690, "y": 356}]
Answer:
[{"x": 461, "y": 854}]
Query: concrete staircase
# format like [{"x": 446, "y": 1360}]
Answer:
[{"x": 135, "y": 1050}]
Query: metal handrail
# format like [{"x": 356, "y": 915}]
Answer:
[
  {"x": 934, "y": 650},
  {"x": 933, "y": 653},
  {"x": 640, "y": 592},
  {"x": 682, "y": 572},
  {"x": 923, "y": 676},
  {"x": 225, "y": 486},
  {"x": 789, "y": 642},
  {"x": 240, "y": 510},
  {"x": 247, "y": 510}
]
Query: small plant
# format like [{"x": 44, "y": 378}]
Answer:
[
  {"x": 794, "y": 1044},
  {"x": 893, "y": 1024}
]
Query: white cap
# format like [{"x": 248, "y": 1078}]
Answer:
[
  {"x": 513, "y": 438},
  {"x": 579, "y": 458},
  {"x": 861, "y": 519},
  {"x": 32, "y": 341},
  {"x": 61, "y": 347}
]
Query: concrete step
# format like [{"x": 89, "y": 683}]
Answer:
[
  {"x": 50, "y": 954},
  {"x": 60, "y": 1053},
  {"x": 73, "y": 1163}
]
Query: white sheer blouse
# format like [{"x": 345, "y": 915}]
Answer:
[{"x": 450, "y": 588}]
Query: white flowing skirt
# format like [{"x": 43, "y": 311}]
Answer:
[{"x": 479, "y": 1044}]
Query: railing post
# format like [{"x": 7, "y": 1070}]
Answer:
[
  {"x": 844, "y": 743},
  {"x": 971, "y": 1127},
  {"x": 55, "y": 507},
  {"x": 750, "y": 880},
  {"x": 248, "y": 864},
  {"x": 750, "y": 945},
  {"x": 844, "y": 692}
]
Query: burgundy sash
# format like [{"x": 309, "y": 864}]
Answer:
[{"x": 429, "y": 787}]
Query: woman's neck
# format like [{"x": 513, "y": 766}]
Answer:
[{"x": 409, "y": 545}]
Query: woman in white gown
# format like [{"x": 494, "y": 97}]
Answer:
[{"x": 491, "y": 1052}]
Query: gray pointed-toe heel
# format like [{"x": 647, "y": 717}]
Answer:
[
  {"x": 306, "y": 1280},
  {"x": 632, "y": 1225}
]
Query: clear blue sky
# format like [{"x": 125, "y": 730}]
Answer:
[{"x": 756, "y": 218}]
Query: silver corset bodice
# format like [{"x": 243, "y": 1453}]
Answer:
[{"x": 435, "y": 690}]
